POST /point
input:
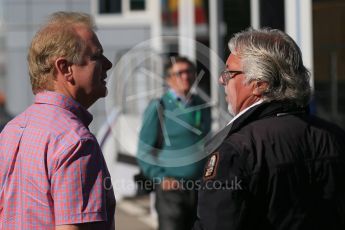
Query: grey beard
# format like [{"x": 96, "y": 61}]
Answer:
[{"x": 231, "y": 110}]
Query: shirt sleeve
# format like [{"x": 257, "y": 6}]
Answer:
[
  {"x": 147, "y": 139},
  {"x": 77, "y": 184}
]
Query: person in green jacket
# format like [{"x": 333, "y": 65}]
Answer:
[{"x": 171, "y": 141}]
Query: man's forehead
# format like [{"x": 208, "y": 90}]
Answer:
[
  {"x": 180, "y": 65},
  {"x": 233, "y": 60},
  {"x": 89, "y": 36}
]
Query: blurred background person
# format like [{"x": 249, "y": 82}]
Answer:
[{"x": 179, "y": 121}]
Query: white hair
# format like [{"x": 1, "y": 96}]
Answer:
[{"x": 272, "y": 56}]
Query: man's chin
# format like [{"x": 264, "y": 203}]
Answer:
[
  {"x": 103, "y": 92},
  {"x": 100, "y": 94}
]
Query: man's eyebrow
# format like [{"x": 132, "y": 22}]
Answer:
[
  {"x": 100, "y": 51},
  {"x": 97, "y": 54}
]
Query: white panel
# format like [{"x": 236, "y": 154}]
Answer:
[
  {"x": 298, "y": 24},
  {"x": 15, "y": 14},
  {"x": 186, "y": 25},
  {"x": 17, "y": 39},
  {"x": 291, "y": 19},
  {"x": 214, "y": 64},
  {"x": 156, "y": 25},
  {"x": 14, "y": 1},
  {"x": 54, "y": 1},
  {"x": 81, "y": 6},
  {"x": 255, "y": 13},
  {"x": 123, "y": 36},
  {"x": 19, "y": 95},
  {"x": 41, "y": 11},
  {"x": 307, "y": 36}
]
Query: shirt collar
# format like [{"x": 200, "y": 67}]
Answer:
[
  {"x": 245, "y": 110},
  {"x": 62, "y": 101},
  {"x": 179, "y": 98}
]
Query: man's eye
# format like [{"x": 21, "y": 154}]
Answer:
[{"x": 96, "y": 57}]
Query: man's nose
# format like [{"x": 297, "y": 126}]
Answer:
[
  {"x": 220, "y": 80},
  {"x": 107, "y": 64}
]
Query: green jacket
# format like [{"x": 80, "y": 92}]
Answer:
[{"x": 185, "y": 128}]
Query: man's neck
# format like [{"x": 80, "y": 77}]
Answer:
[
  {"x": 180, "y": 95},
  {"x": 245, "y": 110}
]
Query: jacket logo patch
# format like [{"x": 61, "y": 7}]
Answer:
[{"x": 211, "y": 166}]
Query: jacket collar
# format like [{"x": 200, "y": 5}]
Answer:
[
  {"x": 260, "y": 111},
  {"x": 266, "y": 109}
]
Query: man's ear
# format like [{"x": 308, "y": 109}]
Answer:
[
  {"x": 260, "y": 87},
  {"x": 64, "y": 69}
]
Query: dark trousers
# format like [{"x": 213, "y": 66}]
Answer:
[{"x": 176, "y": 209}]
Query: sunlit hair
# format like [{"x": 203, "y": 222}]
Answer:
[
  {"x": 56, "y": 38},
  {"x": 272, "y": 56}
]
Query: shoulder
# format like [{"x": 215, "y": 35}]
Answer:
[
  {"x": 151, "y": 108},
  {"x": 150, "y": 115},
  {"x": 279, "y": 139},
  {"x": 154, "y": 103},
  {"x": 325, "y": 126},
  {"x": 198, "y": 100},
  {"x": 67, "y": 151},
  {"x": 293, "y": 126},
  {"x": 54, "y": 124},
  {"x": 63, "y": 121}
]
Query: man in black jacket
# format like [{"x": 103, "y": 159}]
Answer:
[{"x": 273, "y": 166}]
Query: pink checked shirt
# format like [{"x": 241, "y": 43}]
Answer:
[{"x": 52, "y": 171}]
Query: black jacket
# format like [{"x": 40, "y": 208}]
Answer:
[{"x": 275, "y": 167}]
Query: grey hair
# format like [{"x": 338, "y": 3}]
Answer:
[{"x": 271, "y": 56}]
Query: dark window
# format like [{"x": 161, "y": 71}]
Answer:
[
  {"x": 272, "y": 14},
  {"x": 329, "y": 59},
  {"x": 237, "y": 18},
  {"x": 110, "y": 6},
  {"x": 137, "y": 4}
]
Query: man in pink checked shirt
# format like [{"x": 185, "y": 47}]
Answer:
[{"x": 52, "y": 171}]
